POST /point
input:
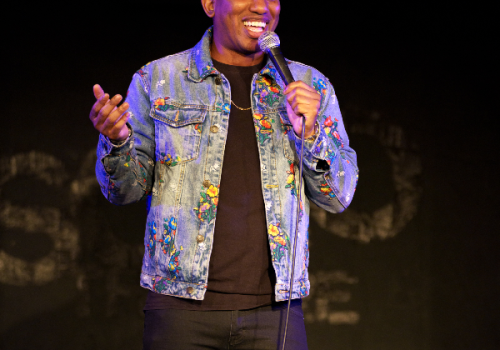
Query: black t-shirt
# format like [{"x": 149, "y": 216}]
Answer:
[{"x": 240, "y": 274}]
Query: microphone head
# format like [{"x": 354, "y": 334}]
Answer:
[{"x": 268, "y": 40}]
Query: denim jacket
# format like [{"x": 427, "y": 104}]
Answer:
[{"x": 179, "y": 119}]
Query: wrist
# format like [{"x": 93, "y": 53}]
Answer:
[
  {"x": 118, "y": 142},
  {"x": 312, "y": 137}
]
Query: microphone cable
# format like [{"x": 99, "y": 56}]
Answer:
[
  {"x": 269, "y": 43},
  {"x": 296, "y": 234}
]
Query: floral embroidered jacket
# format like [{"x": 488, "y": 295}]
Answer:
[{"x": 180, "y": 113}]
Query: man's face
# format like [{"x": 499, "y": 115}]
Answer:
[{"x": 239, "y": 23}]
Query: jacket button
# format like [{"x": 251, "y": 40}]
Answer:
[
  {"x": 214, "y": 128},
  {"x": 206, "y": 183},
  {"x": 190, "y": 290},
  {"x": 200, "y": 238},
  {"x": 218, "y": 80}
]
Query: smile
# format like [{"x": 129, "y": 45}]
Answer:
[{"x": 255, "y": 26}]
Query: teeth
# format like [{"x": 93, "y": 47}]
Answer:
[{"x": 254, "y": 24}]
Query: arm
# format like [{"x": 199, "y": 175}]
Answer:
[
  {"x": 125, "y": 165},
  {"x": 330, "y": 167}
]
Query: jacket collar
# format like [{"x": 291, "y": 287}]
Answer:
[{"x": 201, "y": 64}]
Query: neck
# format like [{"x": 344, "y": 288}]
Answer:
[{"x": 235, "y": 58}]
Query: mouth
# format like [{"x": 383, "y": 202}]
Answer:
[{"x": 256, "y": 27}]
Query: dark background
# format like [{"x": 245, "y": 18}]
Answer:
[{"x": 416, "y": 85}]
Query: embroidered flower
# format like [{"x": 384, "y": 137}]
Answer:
[
  {"x": 168, "y": 160},
  {"x": 152, "y": 240},
  {"x": 326, "y": 190},
  {"x": 320, "y": 86},
  {"x": 290, "y": 180},
  {"x": 265, "y": 124},
  {"x": 160, "y": 104},
  {"x": 263, "y": 127},
  {"x": 169, "y": 231},
  {"x": 266, "y": 80},
  {"x": 209, "y": 199},
  {"x": 208, "y": 70},
  {"x": 328, "y": 121},
  {"x": 330, "y": 129},
  {"x": 213, "y": 191},
  {"x": 266, "y": 89},
  {"x": 204, "y": 207},
  {"x": 278, "y": 242},
  {"x": 273, "y": 230}
]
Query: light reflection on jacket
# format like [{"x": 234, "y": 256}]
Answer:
[{"x": 180, "y": 111}]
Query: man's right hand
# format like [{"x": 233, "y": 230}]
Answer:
[{"x": 109, "y": 119}]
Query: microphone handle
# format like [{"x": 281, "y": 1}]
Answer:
[{"x": 280, "y": 64}]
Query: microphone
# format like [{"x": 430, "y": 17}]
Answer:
[{"x": 269, "y": 42}]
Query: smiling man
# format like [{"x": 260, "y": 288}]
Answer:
[{"x": 209, "y": 137}]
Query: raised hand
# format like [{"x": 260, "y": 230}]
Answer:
[
  {"x": 302, "y": 100},
  {"x": 109, "y": 118}
]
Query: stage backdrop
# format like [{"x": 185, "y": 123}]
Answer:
[{"x": 412, "y": 264}]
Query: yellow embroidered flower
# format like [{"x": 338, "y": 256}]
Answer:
[
  {"x": 267, "y": 81},
  {"x": 289, "y": 179},
  {"x": 273, "y": 230},
  {"x": 213, "y": 191},
  {"x": 257, "y": 116}
]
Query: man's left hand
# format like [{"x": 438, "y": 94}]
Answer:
[{"x": 302, "y": 100}]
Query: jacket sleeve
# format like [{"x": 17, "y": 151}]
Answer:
[
  {"x": 125, "y": 171},
  {"x": 330, "y": 168}
]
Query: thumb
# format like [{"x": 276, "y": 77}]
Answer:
[{"x": 98, "y": 91}]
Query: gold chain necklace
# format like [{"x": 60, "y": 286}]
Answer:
[{"x": 241, "y": 109}]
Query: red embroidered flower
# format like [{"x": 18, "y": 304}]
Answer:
[
  {"x": 328, "y": 121},
  {"x": 265, "y": 124},
  {"x": 280, "y": 240}
]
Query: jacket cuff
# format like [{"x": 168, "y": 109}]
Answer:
[
  {"x": 113, "y": 148},
  {"x": 315, "y": 149}
]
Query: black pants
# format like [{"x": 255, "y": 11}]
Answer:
[{"x": 261, "y": 328}]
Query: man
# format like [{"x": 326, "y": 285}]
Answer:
[{"x": 211, "y": 133}]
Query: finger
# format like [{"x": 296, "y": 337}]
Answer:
[
  {"x": 98, "y": 91},
  {"x": 108, "y": 108},
  {"x": 115, "y": 115},
  {"x": 119, "y": 131},
  {"x": 303, "y": 104},
  {"x": 101, "y": 102},
  {"x": 299, "y": 84},
  {"x": 123, "y": 120},
  {"x": 305, "y": 92}
]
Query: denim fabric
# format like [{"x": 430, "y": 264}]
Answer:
[{"x": 180, "y": 113}]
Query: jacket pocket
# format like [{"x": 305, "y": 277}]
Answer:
[{"x": 178, "y": 133}]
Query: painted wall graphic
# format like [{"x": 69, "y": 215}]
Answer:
[{"x": 406, "y": 171}]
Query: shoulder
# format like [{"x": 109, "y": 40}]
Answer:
[
  {"x": 308, "y": 74},
  {"x": 174, "y": 62}
]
